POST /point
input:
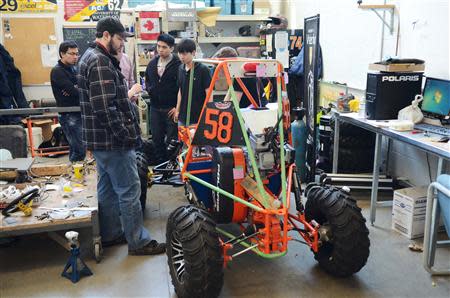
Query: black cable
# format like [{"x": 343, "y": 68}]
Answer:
[{"x": 429, "y": 168}]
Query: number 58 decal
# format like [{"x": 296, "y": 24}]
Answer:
[{"x": 219, "y": 125}]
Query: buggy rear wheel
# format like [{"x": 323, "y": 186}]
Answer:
[
  {"x": 345, "y": 239},
  {"x": 194, "y": 253}
]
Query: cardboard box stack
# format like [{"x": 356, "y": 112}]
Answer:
[{"x": 408, "y": 211}]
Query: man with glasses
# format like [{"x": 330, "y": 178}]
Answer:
[
  {"x": 111, "y": 132},
  {"x": 65, "y": 90}
]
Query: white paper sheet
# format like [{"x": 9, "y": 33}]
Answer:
[
  {"x": 269, "y": 43},
  {"x": 281, "y": 40},
  {"x": 49, "y": 55},
  {"x": 283, "y": 57}
]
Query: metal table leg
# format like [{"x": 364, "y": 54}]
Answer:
[
  {"x": 376, "y": 166},
  {"x": 435, "y": 223},
  {"x": 336, "y": 145},
  {"x": 96, "y": 238}
]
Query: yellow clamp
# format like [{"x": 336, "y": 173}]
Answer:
[{"x": 26, "y": 209}]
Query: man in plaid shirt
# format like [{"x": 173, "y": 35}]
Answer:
[{"x": 111, "y": 132}]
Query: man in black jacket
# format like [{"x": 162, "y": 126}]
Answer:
[
  {"x": 65, "y": 90},
  {"x": 161, "y": 81}
]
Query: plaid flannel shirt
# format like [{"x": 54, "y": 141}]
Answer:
[{"x": 107, "y": 114}]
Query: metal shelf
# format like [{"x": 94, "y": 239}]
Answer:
[
  {"x": 375, "y": 8},
  {"x": 143, "y": 41},
  {"x": 231, "y": 39},
  {"x": 242, "y": 18}
]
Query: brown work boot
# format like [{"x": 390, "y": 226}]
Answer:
[{"x": 153, "y": 248}]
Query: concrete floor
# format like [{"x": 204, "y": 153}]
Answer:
[{"x": 32, "y": 267}]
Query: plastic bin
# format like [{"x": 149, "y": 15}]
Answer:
[
  {"x": 37, "y": 136},
  {"x": 242, "y": 7}
]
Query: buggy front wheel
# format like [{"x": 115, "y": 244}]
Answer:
[
  {"x": 344, "y": 245},
  {"x": 194, "y": 253}
]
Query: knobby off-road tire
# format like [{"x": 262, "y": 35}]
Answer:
[
  {"x": 194, "y": 254},
  {"x": 347, "y": 250}
]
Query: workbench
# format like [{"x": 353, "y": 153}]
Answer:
[
  {"x": 423, "y": 142},
  {"x": 17, "y": 224}
]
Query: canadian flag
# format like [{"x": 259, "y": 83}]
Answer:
[{"x": 149, "y": 25}]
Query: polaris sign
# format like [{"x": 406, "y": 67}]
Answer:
[{"x": 414, "y": 78}]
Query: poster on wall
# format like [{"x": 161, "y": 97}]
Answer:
[
  {"x": 311, "y": 44},
  {"x": 90, "y": 10},
  {"x": 28, "y": 6},
  {"x": 295, "y": 44}
]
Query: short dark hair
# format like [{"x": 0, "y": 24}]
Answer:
[
  {"x": 225, "y": 52},
  {"x": 186, "y": 45},
  {"x": 66, "y": 45},
  {"x": 169, "y": 40}
]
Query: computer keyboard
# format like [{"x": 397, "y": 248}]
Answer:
[{"x": 444, "y": 131}]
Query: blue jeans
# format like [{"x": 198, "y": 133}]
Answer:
[
  {"x": 118, "y": 191},
  {"x": 163, "y": 129},
  {"x": 71, "y": 125}
]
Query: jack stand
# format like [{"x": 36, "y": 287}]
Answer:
[{"x": 75, "y": 260}]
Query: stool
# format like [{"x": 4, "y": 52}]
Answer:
[{"x": 43, "y": 151}]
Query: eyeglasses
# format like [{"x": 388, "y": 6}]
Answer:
[{"x": 73, "y": 54}]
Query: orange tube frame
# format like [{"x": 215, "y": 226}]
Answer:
[{"x": 265, "y": 216}]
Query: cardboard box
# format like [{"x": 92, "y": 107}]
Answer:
[
  {"x": 409, "y": 210},
  {"x": 261, "y": 7},
  {"x": 404, "y": 67},
  {"x": 46, "y": 126}
]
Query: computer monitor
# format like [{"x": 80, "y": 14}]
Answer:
[{"x": 436, "y": 97}]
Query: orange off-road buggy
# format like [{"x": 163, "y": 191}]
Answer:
[{"x": 238, "y": 168}]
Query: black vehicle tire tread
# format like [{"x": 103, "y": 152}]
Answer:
[
  {"x": 348, "y": 251},
  {"x": 196, "y": 230}
]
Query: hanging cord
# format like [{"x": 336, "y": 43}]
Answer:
[{"x": 429, "y": 168}]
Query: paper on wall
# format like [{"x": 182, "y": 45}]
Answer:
[
  {"x": 269, "y": 42},
  {"x": 281, "y": 40},
  {"x": 49, "y": 55},
  {"x": 283, "y": 57}
]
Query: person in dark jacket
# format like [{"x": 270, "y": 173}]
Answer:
[
  {"x": 65, "y": 90},
  {"x": 161, "y": 82},
  {"x": 11, "y": 93},
  {"x": 110, "y": 131},
  {"x": 201, "y": 82}
]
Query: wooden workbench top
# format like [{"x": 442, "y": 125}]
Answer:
[{"x": 84, "y": 193}]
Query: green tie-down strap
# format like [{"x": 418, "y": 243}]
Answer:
[{"x": 191, "y": 83}]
